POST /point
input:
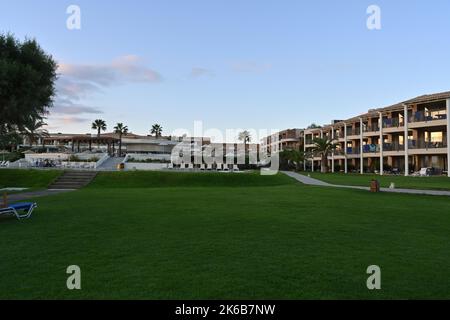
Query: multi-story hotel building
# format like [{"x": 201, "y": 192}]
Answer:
[
  {"x": 404, "y": 137},
  {"x": 290, "y": 139}
]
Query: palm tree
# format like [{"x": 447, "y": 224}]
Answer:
[
  {"x": 324, "y": 147},
  {"x": 293, "y": 156},
  {"x": 121, "y": 130},
  {"x": 156, "y": 130},
  {"x": 99, "y": 125},
  {"x": 34, "y": 131},
  {"x": 245, "y": 137}
]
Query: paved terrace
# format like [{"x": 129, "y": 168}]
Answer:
[{"x": 314, "y": 182}]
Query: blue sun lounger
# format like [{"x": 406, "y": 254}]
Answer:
[{"x": 20, "y": 210}]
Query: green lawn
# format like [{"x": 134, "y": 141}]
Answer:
[
  {"x": 352, "y": 179},
  {"x": 33, "y": 179},
  {"x": 220, "y": 240}
]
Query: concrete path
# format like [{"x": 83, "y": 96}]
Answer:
[
  {"x": 314, "y": 182},
  {"x": 32, "y": 194}
]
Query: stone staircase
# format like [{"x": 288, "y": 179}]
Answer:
[
  {"x": 73, "y": 180},
  {"x": 111, "y": 164}
]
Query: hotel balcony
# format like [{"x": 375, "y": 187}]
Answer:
[
  {"x": 422, "y": 119},
  {"x": 427, "y": 147}
]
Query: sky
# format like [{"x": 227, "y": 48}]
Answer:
[{"x": 233, "y": 64}]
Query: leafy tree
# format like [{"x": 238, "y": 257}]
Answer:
[
  {"x": 121, "y": 130},
  {"x": 27, "y": 85},
  {"x": 324, "y": 147},
  {"x": 314, "y": 126},
  {"x": 156, "y": 130}
]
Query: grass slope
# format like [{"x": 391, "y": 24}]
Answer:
[
  {"x": 433, "y": 183},
  {"x": 19, "y": 178},
  {"x": 288, "y": 241},
  {"x": 153, "y": 179}
]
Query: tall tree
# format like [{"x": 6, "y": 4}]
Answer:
[
  {"x": 27, "y": 84},
  {"x": 121, "y": 130},
  {"x": 245, "y": 137},
  {"x": 324, "y": 147},
  {"x": 156, "y": 130},
  {"x": 99, "y": 125}
]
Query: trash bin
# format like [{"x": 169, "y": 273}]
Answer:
[{"x": 374, "y": 186}]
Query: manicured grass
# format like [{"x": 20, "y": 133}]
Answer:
[
  {"x": 289, "y": 241},
  {"x": 152, "y": 179},
  {"x": 351, "y": 179},
  {"x": 33, "y": 179}
]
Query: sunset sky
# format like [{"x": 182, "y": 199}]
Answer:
[{"x": 233, "y": 64}]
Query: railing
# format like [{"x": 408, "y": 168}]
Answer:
[
  {"x": 371, "y": 148},
  {"x": 353, "y": 132},
  {"x": 393, "y": 147},
  {"x": 422, "y": 144},
  {"x": 353, "y": 150},
  {"x": 392, "y": 123},
  {"x": 421, "y": 116},
  {"x": 372, "y": 128}
]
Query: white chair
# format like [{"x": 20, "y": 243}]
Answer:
[
  {"x": 235, "y": 167},
  {"x": 219, "y": 167},
  {"x": 191, "y": 166},
  {"x": 209, "y": 167},
  {"x": 203, "y": 167},
  {"x": 170, "y": 166},
  {"x": 225, "y": 167}
]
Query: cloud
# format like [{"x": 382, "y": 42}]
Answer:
[
  {"x": 250, "y": 67},
  {"x": 78, "y": 82},
  {"x": 123, "y": 70},
  {"x": 67, "y": 107},
  {"x": 198, "y": 72}
]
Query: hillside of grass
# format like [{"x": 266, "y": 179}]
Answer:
[
  {"x": 284, "y": 242},
  {"x": 161, "y": 179},
  {"x": 21, "y": 178},
  {"x": 351, "y": 179}
]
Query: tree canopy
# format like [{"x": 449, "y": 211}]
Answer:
[{"x": 27, "y": 77}]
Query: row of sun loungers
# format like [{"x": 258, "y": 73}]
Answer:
[
  {"x": 4, "y": 164},
  {"x": 205, "y": 167}
]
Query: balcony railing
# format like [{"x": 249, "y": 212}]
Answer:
[
  {"x": 353, "y": 150},
  {"x": 422, "y": 144},
  {"x": 372, "y": 128},
  {"x": 422, "y": 116},
  {"x": 371, "y": 148},
  {"x": 392, "y": 123},
  {"x": 353, "y": 132},
  {"x": 394, "y": 146}
]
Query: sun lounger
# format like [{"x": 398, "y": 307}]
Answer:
[{"x": 20, "y": 210}]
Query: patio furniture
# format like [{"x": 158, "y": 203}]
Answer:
[{"x": 19, "y": 210}]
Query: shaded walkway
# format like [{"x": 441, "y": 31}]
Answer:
[
  {"x": 315, "y": 182},
  {"x": 32, "y": 194}
]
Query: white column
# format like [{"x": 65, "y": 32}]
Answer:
[
  {"x": 381, "y": 144},
  {"x": 304, "y": 151},
  {"x": 448, "y": 137},
  {"x": 361, "y": 156},
  {"x": 345, "y": 148},
  {"x": 332, "y": 154},
  {"x": 406, "y": 142}
]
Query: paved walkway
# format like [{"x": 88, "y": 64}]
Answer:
[
  {"x": 314, "y": 182},
  {"x": 29, "y": 195}
]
